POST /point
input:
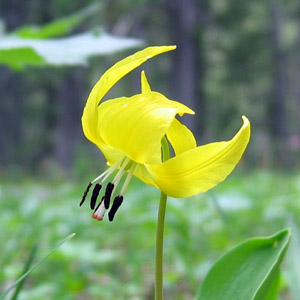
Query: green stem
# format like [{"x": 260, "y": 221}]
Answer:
[
  {"x": 159, "y": 247},
  {"x": 160, "y": 233}
]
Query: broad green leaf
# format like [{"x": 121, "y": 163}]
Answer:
[
  {"x": 18, "y": 281},
  {"x": 274, "y": 288},
  {"x": 74, "y": 50},
  {"x": 247, "y": 271},
  {"x": 57, "y": 27},
  {"x": 293, "y": 261}
]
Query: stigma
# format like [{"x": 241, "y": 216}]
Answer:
[{"x": 125, "y": 165}]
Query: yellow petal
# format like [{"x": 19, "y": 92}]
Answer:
[
  {"x": 111, "y": 154},
  {"x": 144, "y": 83},
  {"x": 136, "y": 125},
  {"x": 107, "y": 81},
  {"x": 201, "y": 168},
  {"x": 180, "y": 137},
  {"x": 142, "y": 173}
]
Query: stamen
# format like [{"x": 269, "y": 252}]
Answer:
[
  {"x": 99, "y": 211},
  {"x": 108, "y": 172},
  {"x": 108, "y": 192},
  {"x": 113, "y": 168},
  {"x": 85, "y": 193},
  {"x": 99, "y": 204},
  {"x": 95, "y": 194},
  {"x": 128, "y": 178},
  {"x": 120, "y": 173},
  {"x": 116, "y": 204}
]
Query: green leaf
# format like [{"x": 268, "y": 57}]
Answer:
[
  {"x": 39, "y": 45},
  {"x": 73, "y": 50},
  {"x": 18, "y": 281},
  {"x": 293, "y": 262},
  {"x": 57, "y": 27},
  {"x": 28, "y": 264},
  {"x": 248, "y": 271},
  {"x": 20, "y": 57},
  {"x": 274, "y": 288}
]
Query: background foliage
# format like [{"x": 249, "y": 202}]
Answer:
[
  {"x": 233, "y": 58},
  {"x": 115, "y": 260}
]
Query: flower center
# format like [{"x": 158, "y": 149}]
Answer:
[{"x": 124, "y": 165}]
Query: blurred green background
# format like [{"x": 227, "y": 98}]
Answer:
[{"x": 233, "y": 58}]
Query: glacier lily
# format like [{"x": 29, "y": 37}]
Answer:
[{"x": 130, "y": 130}]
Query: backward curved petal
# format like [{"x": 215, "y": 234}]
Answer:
[
  {"x": 107, "y": 81},
  {"x": 142, "y": 173},
  {"x": 180, "y": 137},
  {"x": 145, "y": 86},
  {"x": 201, "y": 168}
]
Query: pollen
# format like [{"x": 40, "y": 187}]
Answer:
[
  {"x": 95, "y": 194},
  {"x": 108, "y": 193},
  {"x": 85, "y": 193},
  {"x": 116, "y": 204}
]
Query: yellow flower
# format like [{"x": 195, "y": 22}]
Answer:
[{"x": 129, "y": 132}]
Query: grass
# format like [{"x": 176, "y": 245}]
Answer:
[{"x": 116, "y": 260}]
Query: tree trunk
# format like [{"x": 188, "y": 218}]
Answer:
[
  {"x": 11, "y": 104},
  {"x": 277, "y": 109},
  {"x": 68, "y": 129},
  {"x": 296, "y": 138},
  {"x": 186, "y": 18},
  {"x": 10, "y": 118}
]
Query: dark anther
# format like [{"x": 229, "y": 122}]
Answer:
[
  {"x": 106, "y": 202},
  {"x": 117, "y": 202},
  {"x": 85, "y": 193},
  {"x": 108, "y": 191},
  {"x": 95, "y": 194}
]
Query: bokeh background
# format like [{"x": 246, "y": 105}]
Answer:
[{"x": 233, "y": 58}]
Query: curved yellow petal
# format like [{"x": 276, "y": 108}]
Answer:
[
  {"x": 145, "y": 86},
  {"x": 111, "y": 154},
  {"x": 201, "y": 168},
  {"x": 180, "y": 137},
  {"x": 142, "y": 173},
  {"x": 107, "y": 81},
  {"x": 136, "y": 125}
]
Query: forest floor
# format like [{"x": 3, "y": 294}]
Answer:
[{"x": 115, "y": 260}]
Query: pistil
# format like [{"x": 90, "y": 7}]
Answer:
[{"x": 99, "y": 211}]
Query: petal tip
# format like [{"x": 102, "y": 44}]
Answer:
[
  {"x": 246, "y": 122},
  {"x": 245, "y": 119},
  {"x": 172, "y": 47}
]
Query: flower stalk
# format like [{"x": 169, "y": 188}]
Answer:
[{"x": 160, "y": 232}]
